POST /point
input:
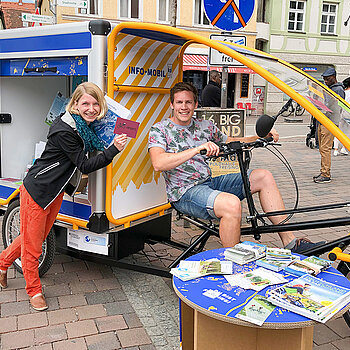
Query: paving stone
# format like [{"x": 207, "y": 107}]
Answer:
[
  {"x": 8, "y": 324},
  {"x": 21, "y": 295},
  {"x": 40, "y": 347},
  {"x": 70, "y": 344},
  {"x": 104, "y": 341},
  {"x": 55, "y": 268},
  {"x": 132, "y": 320},
  {"x": 323, "y": 334},
  {"x": 111, "y": 323},
  {"x": 62, "y": 316},
  {"x": 133, "y": 337},
  {"x": 343, "y": 344},
  {"x": 62, "y": 258},
  {"x": 16, "y": 340},
  {"x": 89, "y": 275},
  {"x": 147, "y": 347},
  {"x": 66, "y": 301},
  {"x": 339, "y": 326},
  {"x": 82, "y": 287},
  {"x": 324, "y": 347},
  {"x": 15, "y": 308},
  {"x": 50, "y": 334},
  {"x": 118, "y": 308},
  {"x": 99, "y": 297},
  {"x": 16, "y": 283},
  {"x": 91, "y": 311},
  {"x": 107, "y": 283},
  {"x": 118, "y": 294},
  {"x": 52, "y": 303},
  {"x": 57, "y": 290},
  {"x": 7, "y": 296},
  {"x": 74, "y": 266},
  {"x": 38, "y": 319},
  {"x": 81, "y": 328}
]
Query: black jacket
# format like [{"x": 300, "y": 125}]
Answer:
[
  {"x": 63, "y": 161},
  {"x": 211, "y": 95}
]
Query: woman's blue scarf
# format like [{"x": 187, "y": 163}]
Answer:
[{"x": 91, "y": 141}]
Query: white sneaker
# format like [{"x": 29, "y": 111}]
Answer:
[
  {"x": 336, "y": 153},
  {"x": 344, "y": 152}
]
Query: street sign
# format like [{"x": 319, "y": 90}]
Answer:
[
  {"x": 30, "y": 17},
  {"x": 220, "y": 59},
  {"x": 229, "y": 15},
  {"x": 72, "y": 3}
]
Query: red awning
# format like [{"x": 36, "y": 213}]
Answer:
[{"x": 200, "y": 62}]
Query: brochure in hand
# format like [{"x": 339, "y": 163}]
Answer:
[
  {"x": 256, "y": 279},
  {"x": 275, "y": 265},
  {"x": 257, "y": 310},
  {"x": 245, "y": 252},
  {"x": 311, "y": 297},
  {"x": 188, "y": 270}
]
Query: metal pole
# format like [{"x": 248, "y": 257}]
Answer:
[{"x": 224, "y": 80}]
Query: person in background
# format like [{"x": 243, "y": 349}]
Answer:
[
  {"x": 325, "y": 137},
  {"x": 211, "y": 94},
  {"x": 343, "y": 124},
  {"x": 174, "y": 147},
  {"x": 58, "y": 170}
]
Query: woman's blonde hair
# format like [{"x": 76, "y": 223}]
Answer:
[{"x": 92, "y": 90}]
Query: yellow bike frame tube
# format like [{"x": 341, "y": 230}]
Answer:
[
  {"x": 340, "y": 255},
  {"x": 195, "y": 38},
  {"x": 75, "y": 222}
]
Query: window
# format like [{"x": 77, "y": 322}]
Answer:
[
  {"x": 129, "y": 8},
  {"x": 296, "y": 16},
  {"x": 199, "y": 14},
  {"x": 164, "y": 10},
  {"x": 329, "y": 18}
]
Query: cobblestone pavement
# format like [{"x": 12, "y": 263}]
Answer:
[{"x": 94, "y": 306}]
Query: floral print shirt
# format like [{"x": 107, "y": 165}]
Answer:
[{"x": 174, "y": 138}]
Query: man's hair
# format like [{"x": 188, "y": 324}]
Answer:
[
  {"x": 92, "y": 90},
  {"x": 213, "y": 74},
  {"x": 182, "y": 86},
  {"x": 346, "y": 83}
]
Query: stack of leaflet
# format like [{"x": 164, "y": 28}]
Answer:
[
  {"x": 311, "y": 297},
  {"x": 312, "y": 265},
  {"x": 276, "y": 259},
  {"x": 256, "y": 279},
  {"x": 188, "y": 270},
  {"x": 245, "y": 252}
]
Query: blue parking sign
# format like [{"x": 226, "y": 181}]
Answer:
[{"x": 229, "y": 15}]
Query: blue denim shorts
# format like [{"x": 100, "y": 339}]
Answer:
[{"x": 198, "y": 201}]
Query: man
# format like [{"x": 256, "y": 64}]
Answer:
[
  {"x": 211, "y": 94},
  {"x": 325, "y": 137},
  {"x": 174, "y": 148}
]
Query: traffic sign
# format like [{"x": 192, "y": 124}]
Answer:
[
  {"x": 229, "y": 15},
  {"x": 72, "y": 3},
  {"x": 30, "y": 17},
  {"x": 220, "y": 59}
]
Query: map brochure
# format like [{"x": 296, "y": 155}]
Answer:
[
  {"x": 275, "y": 265},
  {"x": 311, "y": 297},
  {"x": 256, "y": 279},
  {"x": 188, "y": 270},
  {"x": 104, "y": 128},
  {"x": 257, "y": 310},
  {"x": 301, "y": 267},
  {"x": 245, "y": 252},
  {"x": 57, "y": 108}
]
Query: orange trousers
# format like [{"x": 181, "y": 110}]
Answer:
[{"x": 35, "y": 225}]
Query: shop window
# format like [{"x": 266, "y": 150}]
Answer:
[
  {"x": 199, "y": 14},
  {"x": 164, "y": 11},
  {"x": 329, "y": 18},
  {"x": 129, "y": 9},
  {"x": 296, "y": 15}
]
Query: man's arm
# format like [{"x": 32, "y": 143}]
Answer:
[{"x": 162, "y": 160}]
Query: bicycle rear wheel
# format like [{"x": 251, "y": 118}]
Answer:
[
  {"x": 344, "y": 268},
  {"x": 299, "y": 110},
  {"x": 288, "y": 112}
]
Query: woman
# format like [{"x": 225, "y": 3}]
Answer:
[{"x": 58, "y": 170}]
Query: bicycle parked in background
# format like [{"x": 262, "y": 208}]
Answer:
[{"x": 293, "y": 109}]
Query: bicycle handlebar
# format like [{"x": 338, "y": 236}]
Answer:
[{"x": 230, "y": 148}]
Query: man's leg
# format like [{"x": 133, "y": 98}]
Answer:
[
  {"x": 227, "y": 207},
  {"x": 326, "y": 143},
  {"x": 263, "y": 183}
]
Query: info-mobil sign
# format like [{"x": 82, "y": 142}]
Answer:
[{"x": 229, "y": 15}]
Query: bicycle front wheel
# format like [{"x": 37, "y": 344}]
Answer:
[
  {"x": 344, "y": 268},
  {"x": 288, "y": 112},
  {"x": 299, "y": 110}
]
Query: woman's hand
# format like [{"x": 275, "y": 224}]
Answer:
[{"x": 120, "y": 141}]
